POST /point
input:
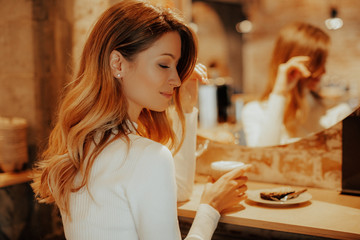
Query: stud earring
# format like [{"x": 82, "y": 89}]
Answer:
[{"x": 118, "y": 75}]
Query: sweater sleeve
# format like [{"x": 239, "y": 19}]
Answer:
[
  {"x": 152, "y": 198},
  {"x": 263, "y": 126},
  {"x": 335, "y": 115},
  {"x": 204, "y": 224},
  {"x": 185, "y": 159},
  {"x": 151, "y": 195}
]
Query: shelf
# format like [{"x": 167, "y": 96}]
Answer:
[{"x": 13, "y": 178}]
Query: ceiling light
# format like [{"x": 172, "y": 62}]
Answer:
[
  {"x": 244, "y": 26},
  {"x": 334, "y": 22}
]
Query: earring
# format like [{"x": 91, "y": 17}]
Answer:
[{"x": 118, "y": 75}]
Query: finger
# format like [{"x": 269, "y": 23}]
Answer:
[
  {"x": 238, "y": 182},
  {"x": 236, "y": 199},
  {"x": 242, "y": 188},
  {"x": 204, "y": 80},
  {"x": 237, "y": 172},
  {"x": 304, "y": 71},
  {"x": 210, "y": 179},
  {"x": 200, "y": 75},
  {"x": 196, "y": 74},
  {"x": 201, "y": 67},
  {"x": 241, "y": 180},
  {"x": 202, "y": 70},
  {"x": 240, "y": 194},
  {"x": 242, "y": 197},
  {"x": 233, "y": 198},
  {"x": 299, "y": 59},
  {"x": 299, "y": 68}
]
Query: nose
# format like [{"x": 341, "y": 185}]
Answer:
[{"x": 175, "y": 79}]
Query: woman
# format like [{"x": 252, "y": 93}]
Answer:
[
  {"x": 290, "y": 106},
  {"x": 106, "y": 166}
]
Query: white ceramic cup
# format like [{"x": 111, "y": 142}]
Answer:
[{"x": 219, "y": 168}]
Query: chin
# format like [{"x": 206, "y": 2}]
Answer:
[{"x": 159, "y": 108}]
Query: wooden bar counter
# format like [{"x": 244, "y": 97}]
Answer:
[{"x": 328, "y": 214}]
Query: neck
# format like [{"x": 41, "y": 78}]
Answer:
[{"x": 134, "y": 112}]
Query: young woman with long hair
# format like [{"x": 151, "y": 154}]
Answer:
[
  {"x": 290, "y": 106},
  {"x": 108, "y": 166}
]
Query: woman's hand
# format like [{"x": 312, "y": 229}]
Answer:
[
  {"x": 227, "y": 191},
  {"x": 289, "y": 74},
  {"x": 189, "y": 89}
]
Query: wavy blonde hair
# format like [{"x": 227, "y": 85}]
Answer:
[
  {"x": 297, "y": 39},
  {"x": 94, "y": 104}
]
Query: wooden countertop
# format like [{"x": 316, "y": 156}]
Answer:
[{"x": 328, "y": 214}]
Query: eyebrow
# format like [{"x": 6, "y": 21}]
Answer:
[{"x": 168, "y": 54}]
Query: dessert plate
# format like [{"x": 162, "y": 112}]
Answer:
[{"x": 254, "y": 196}]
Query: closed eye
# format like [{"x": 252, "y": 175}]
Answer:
[{"x": 163, "y": 66}]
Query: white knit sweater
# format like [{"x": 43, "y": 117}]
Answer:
[{"x": 132, "y": 194}]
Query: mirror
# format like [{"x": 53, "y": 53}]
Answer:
[
  {"x": 319, "y": 160},
  {"x": 240, "y": 56}
]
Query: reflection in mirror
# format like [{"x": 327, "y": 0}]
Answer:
[
  {"x": 325, "y": 159},
  {"x": 313, "y": 161},
  {"x": 291, "y": 106},
  {"x": 338, "y": 88},
  {"x": 233, "y": 134}
]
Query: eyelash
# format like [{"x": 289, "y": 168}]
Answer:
[{"x": 163, "y": 66}]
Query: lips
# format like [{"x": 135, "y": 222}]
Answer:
[{"x": 167, "y": 94}]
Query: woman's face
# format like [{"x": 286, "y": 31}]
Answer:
[{"x": 152, "y": 77}]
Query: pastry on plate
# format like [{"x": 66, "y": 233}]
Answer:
[{"x": 276, "y": 194}]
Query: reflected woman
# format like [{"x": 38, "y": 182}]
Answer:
[{"x": 290, "y": 107}]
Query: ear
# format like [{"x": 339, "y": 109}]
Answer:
[{"x": 117, "y": 64}]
